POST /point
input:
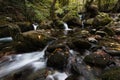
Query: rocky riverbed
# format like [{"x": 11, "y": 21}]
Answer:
[{"x": 54, "y": 52}]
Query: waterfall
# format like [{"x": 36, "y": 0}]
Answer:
[
  {"x": 82, "y": 21},
  {"x": 15, "y": 62},
  {"x": 6, "y": 39},
  {"x": 35, "y": 25},
  {"x": 66, "y": 28}
]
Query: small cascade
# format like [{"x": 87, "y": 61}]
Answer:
[
  {"x": 82, "y": 21},
  {"x": 66, "y": 28},
  {"x": 6, "y": 39},
  {"x": 57, "y": 76},
  {"x": 35, "y": 25},
  {"x": 16, "y": 62},
  {"x": 79, "y": 65}
]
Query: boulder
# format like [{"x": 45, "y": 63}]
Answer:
[
  {"x": 112, "y": 74},
  {"x": 58, "y": 59},
  {"x": 25, "y": 26},
  {"x": 99, "y": 59},
  {"x": 32, "y": 40},
  {"x": 82, "y": 44},
  {"x": 101, "y": 20},
  {"x": 4, "y": 31}
]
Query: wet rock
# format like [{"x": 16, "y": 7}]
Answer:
[
  {"x": 73, "y": 77},
  {"x": 89, "y": 22},
  {"x": 32, "y": 40},
  {"x": 113, "y": 52},
  {"x": 117, "y": 31},
  {"x": 57, "y": 44},
  {"x": 92, "y": 40},
  {"x": 4, "y": 31},
  {"x": 58, "y": 24},
  {"x": 73, "y": 21},
  {"x": 14, "y": 31},
  {"x": 102, "y": 19},
  {"x": 91, "y": 10},
  {"x": 112, "y": 74},
  {"x": 101, "y": 33},
  {"x": 45, "y": 25},
  {"x": 98, "y": 58},
  {"x": 81, "y": 44},
  {"x": 109, "y": 31},
  {"x": 25, "y": 26},
  {"x": 58, "y": 59}
]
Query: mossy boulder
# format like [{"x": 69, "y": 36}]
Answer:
[
  {"x": 82, "y": 44},
  {"x": 89, "y": 22},
  {"x": 25, "y": 26},
  {"x": 99, "y": 59},
  {"x": 75, "y": 21},
  {"x": 14, "y": 31},
  {"x": 112, "y": 74},
  {"x": 58, "y": 59},
  {"x": 101, "y": 20},
  {"x": 109, "y": 31},
  {"x": 32, "y": 40},
  {"x": 4, "y": 31}
]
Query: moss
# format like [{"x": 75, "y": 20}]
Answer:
[
  {"x": 102, "y": 19},
  {"x": 112, "y": 74}
]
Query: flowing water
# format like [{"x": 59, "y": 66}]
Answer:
[
  {"x": 6, "y": 39},
  {"x": 15, "y": 63},
  {"x": 66, "y": 28},
  {"x": 82, "y": 21},
  {"x": 35, "y": 25}
]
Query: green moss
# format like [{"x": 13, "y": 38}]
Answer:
[{"x": 112, "y": 74}]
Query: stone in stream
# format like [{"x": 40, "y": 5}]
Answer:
[
  {"x": 4, "y": 31},
  {"x": 81, "y": 44},
  {"x": 32, "y": 40},
  {"x": 58, "y": 59},
  {"x": 99, "y": 59},
  {"x": 101, "y": 20}
]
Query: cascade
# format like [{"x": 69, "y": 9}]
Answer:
[
  {"x": 35, "y": 25},
  {"x": 66, "y": 28}
]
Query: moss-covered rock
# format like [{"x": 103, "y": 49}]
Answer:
[
  {"x": 75, "y": 21},
  {"x": 98, "y": 58},
  {"x": 25, "y": 26},
  {"x": 58, "y": 59},
  {"x": 32, "y": 40},
  {"x": 4, "y": 31},
  {"x": 112, "y": 74},
  {"x": 101, "y": 20},
  {"x": 82, "y": 44},
  {"x": 109, "y": 31},
  {"x": 14, "y": 31}
]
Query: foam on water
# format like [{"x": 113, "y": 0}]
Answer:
[
  {"x": 35, "y": 25},
  {"x": 16, "y": 62}
]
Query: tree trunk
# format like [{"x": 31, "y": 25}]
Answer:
[{"x": 52, "y": 10}]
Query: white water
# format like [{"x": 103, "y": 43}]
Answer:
[
  {"x": 19, "y": 61},
  {"x": 6, "y": 39},
  {"x": 57, "y": 76},
  {"x": 66, "y": 28},
  {"x": 35, "y": 25},
  {"x": 82, "y": 21}
]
